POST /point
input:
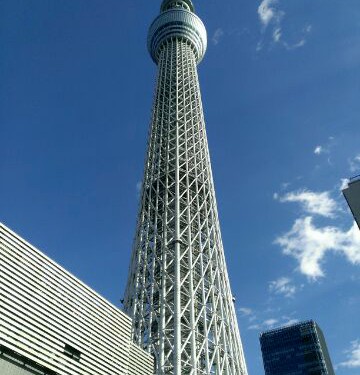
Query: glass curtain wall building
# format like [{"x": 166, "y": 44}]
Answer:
[{"x": 299, "y": 349}]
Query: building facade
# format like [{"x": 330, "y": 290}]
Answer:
[
  {"x": 53, "y": 324},
  {"x": 299, "y": 349},
  {"x": 178, "y": 292},
  {"x": 352, "y": 196}
]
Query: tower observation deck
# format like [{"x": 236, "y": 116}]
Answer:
[{"x": 178, "y": 291}]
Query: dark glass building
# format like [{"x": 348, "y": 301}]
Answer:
[{"x": 299, "y": 349}]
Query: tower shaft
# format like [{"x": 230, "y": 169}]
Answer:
[{"x": 178, "y": 292}]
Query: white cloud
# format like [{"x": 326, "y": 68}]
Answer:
[
  {"x": 268, "y": 12},
  {"x": 285, "y": 185},
  {"x": 245, "y": 311},
  {"x": 248, "y": 313},
  {"x": 318, "y": 203},
  {"x": 290, "y": 322},
  {"x": 266, "y": 324},
  {"x": 267, "y": 321},
  {"x": 252, "y": 318},
  {"x": 330, "y": 142},
  {"x": 307, "y": 29},
  {"x": 270, "y": 322},
  {"x": 355, "y": 164},
  {"x": 318, "y": 150},
  {"x": 353, "y": 356},
  {"x": 277, "y": 34},
  {"x": 309, "y": 244},
  {"x": 344, "y": 183},
  {"x": 300, "y": 43},
  {"x": 218, "y": 34},
  {"x": 259, "y": 46},
  {"x": 282, "y": 286}
]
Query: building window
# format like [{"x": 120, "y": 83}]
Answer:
[{"x": 72, "y": 352}]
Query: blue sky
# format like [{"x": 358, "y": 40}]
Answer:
[{"x": 280, "y": 86}]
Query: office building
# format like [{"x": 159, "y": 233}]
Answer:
[
  {"x": 178, "y": 292},
  {"x": 299, "y": 349},
  {"x": 352, "y": 196},
  {"x": 53, "y": 324}
]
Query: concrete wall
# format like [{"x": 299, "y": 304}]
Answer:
[{"x": 8, "y": 368}]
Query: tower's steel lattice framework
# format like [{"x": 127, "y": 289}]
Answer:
[{"x": 178, "y": 291}]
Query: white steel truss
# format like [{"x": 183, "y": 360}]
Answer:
[{"x": 178, "y": 292}]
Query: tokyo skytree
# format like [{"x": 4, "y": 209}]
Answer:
[{"x": 178, "y": 292}]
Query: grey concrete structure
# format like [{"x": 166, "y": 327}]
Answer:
[
  {"x": 299, "y": 349},
  {"x": 352, "y": 196},
  {"x": 51, "y": 323},
  {"x": 178, "y": 292}
]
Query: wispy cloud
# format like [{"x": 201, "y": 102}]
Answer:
[
  {"x": 290, "y": 322},
  {"x": 245, "y": 311},
  {"x": 316, "y": 203},
  {"x": 265, "y": 319},
  {"x": 301, "y": 43},
  {"x": 283, "y": 286},
  {"x": 354, "y": 164},
  {"x": 269, "y": 13},
  {"x": 285, "y": 185},
  {"x": 271, "y": 323},
  {"x": 277, "y": 34},
  {"x": 266, "y": 324},
  {"x": 326, "y": 147},
  {"x": 318, "y": 150},
  {"x": 217, "y": 36},
  {"x": 309, "y": 245},
  {"x": 344, "y": 183},
  {"x": 307, "y": 29},
  {"x": 353, "y": 356},
  {"x": 249, "y": 314}
]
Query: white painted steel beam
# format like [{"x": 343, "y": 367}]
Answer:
[{"x": 178, "y": 292}]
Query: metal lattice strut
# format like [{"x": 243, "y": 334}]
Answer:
[{"x": 178, "y": 291}]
